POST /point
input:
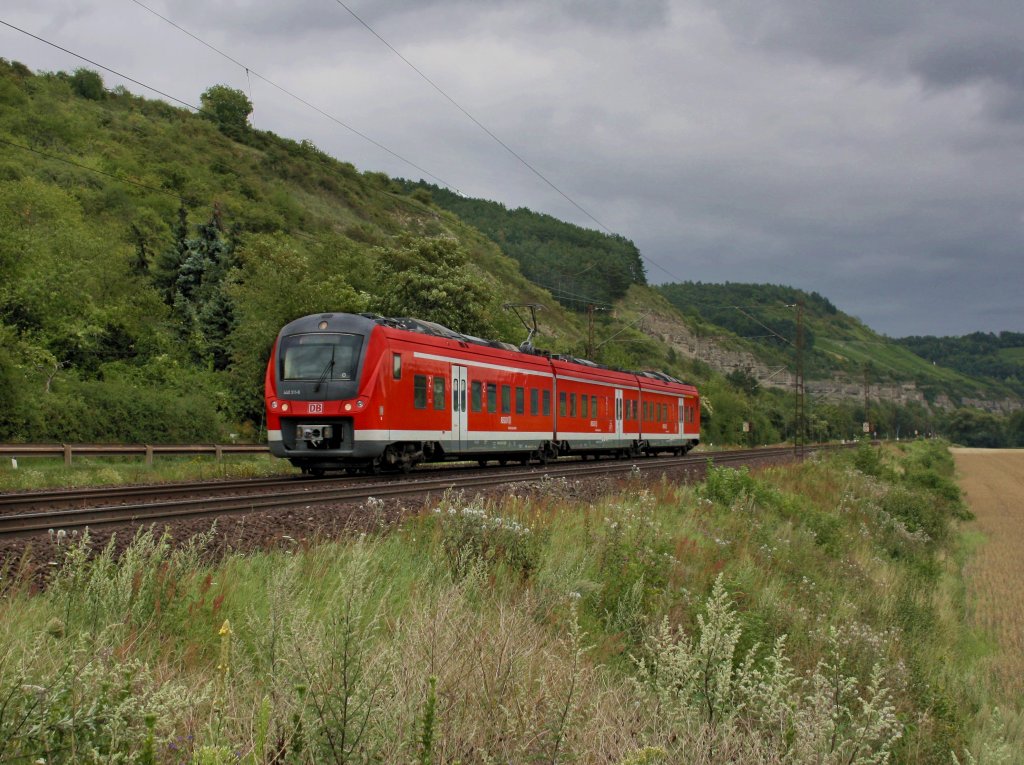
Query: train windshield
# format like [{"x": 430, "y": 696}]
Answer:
[{"x": 320, "y": 356}]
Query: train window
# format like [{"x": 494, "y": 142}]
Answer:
[
  {"x": 584, "y": 407},
  {"x": 593, "y": 406},
  {"x": 572, "y": 404},
  {"x": 506, "y": 399},
  {"x": 438, "y": 393},
  {"x": 476, "y": 394},
  {"x": 561, "y": 404},
  {"x": 492, "y": 397},
  {"x": 419, "y": 391},
  {"x": 520, "y": 400},
  {"x": 396, "y": 365},
  {"x": 546, "y": 403},
  {"x": 533, "y": 401},
  {"x": 320, "y": 356}
]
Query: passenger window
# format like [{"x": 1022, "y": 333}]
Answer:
[
  {"x": 419, "y": 391},
  {"x": 396, "y": 365},
  {"x": 572, "y": 404},
  {"x": 584, "y": 408},
  {"x": 593, "y": 406},
  {"x": 546, "y": 401},
  {"x": 533, "y": 401},
  {"x": 520, "y": 400},
  {"x": 477, "y": 395},
  {"x": 438, "y": 393},
  {"x": 506, "y": 399},
  {"x": 492, "y": 397},
  {"x": 561, "y": 404}
]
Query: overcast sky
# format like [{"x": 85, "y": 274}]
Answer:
[{"x": 869, "y": 150}]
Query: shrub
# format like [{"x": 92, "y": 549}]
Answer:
[
  {"x": 470, "y": 534},
  {"x": 88, "y": 84}
]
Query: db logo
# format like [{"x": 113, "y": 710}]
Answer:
[{"x": 316, "y": 408}]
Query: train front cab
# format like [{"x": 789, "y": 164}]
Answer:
[{"x": 317, "y": 399}]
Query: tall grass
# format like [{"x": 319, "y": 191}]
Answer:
[{"x": 788, "y": 616}]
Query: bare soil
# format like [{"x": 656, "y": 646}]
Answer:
[{"x": 993, "y": 485}]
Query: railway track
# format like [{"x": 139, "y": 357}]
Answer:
[{"x": 168, "y": 503}]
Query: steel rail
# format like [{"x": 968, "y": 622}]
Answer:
[{"x": 154, "y": 512}]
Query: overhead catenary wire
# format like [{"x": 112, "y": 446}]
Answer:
[
  {"x": 486, "y": 130},
  {"x": 193, "y": 107},
  {"x": 197, "y": 109},
  {"x": 249, "y": 71},
  {"x": 93, "y": 170},
  {"x": 252, "y": 72}
]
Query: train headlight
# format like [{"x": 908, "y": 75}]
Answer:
[
  {"x": 359, "y": 404},
  {"x": 284, "y": 407},
  {"x": 348, "y": 407},
  {"x": 273, "y": 405}
]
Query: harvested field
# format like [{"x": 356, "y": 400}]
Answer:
[{"x": 993, "y": 485}]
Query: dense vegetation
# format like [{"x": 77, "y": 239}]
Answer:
[
  {"x": 578, "y": 266},
  {"x": 808, "y": 614}
]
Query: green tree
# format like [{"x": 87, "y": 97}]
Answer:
[
  {"x": 228, "y": 108},
  {"x": 88, "y": 84},
  {"x": 433, "y": 279},
  {"x": 973, "y": 427}
]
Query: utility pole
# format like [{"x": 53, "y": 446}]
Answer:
[
  {"x": 799, "y": 414},
  {"x": 867, "y": 387},
  {"x": 590, "y": 331}
]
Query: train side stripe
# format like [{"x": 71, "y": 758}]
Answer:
[{"x": 479, "y": 364}]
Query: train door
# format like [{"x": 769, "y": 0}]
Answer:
[
  {"x": 618, "y": 414},
  {"x": 460, "y": 416}
]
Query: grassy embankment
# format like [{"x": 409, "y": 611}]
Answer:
[
  {"x": 809, "y": 613},
  {"x": 49, "y": 473}
]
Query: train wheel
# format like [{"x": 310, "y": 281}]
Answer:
[
  {"x": 503, "y": 462},
  {"x": 541, "y": 456},
  {"x": 482, "y": 463}
]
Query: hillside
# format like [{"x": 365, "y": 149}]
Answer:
[
  {"x": 996, "y": 357},
  {"x": 762, "y": 319},
  {"x": 150, "y": 255}
]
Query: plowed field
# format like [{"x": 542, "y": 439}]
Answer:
[{"x": 993, "y": 485}]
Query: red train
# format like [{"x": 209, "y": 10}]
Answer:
[{"x": 366, "y": 392}]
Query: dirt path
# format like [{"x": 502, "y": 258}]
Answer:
[{"x": 993, "y": 485}]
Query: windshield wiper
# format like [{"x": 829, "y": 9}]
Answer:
[{"x": 327, "y": 370}]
